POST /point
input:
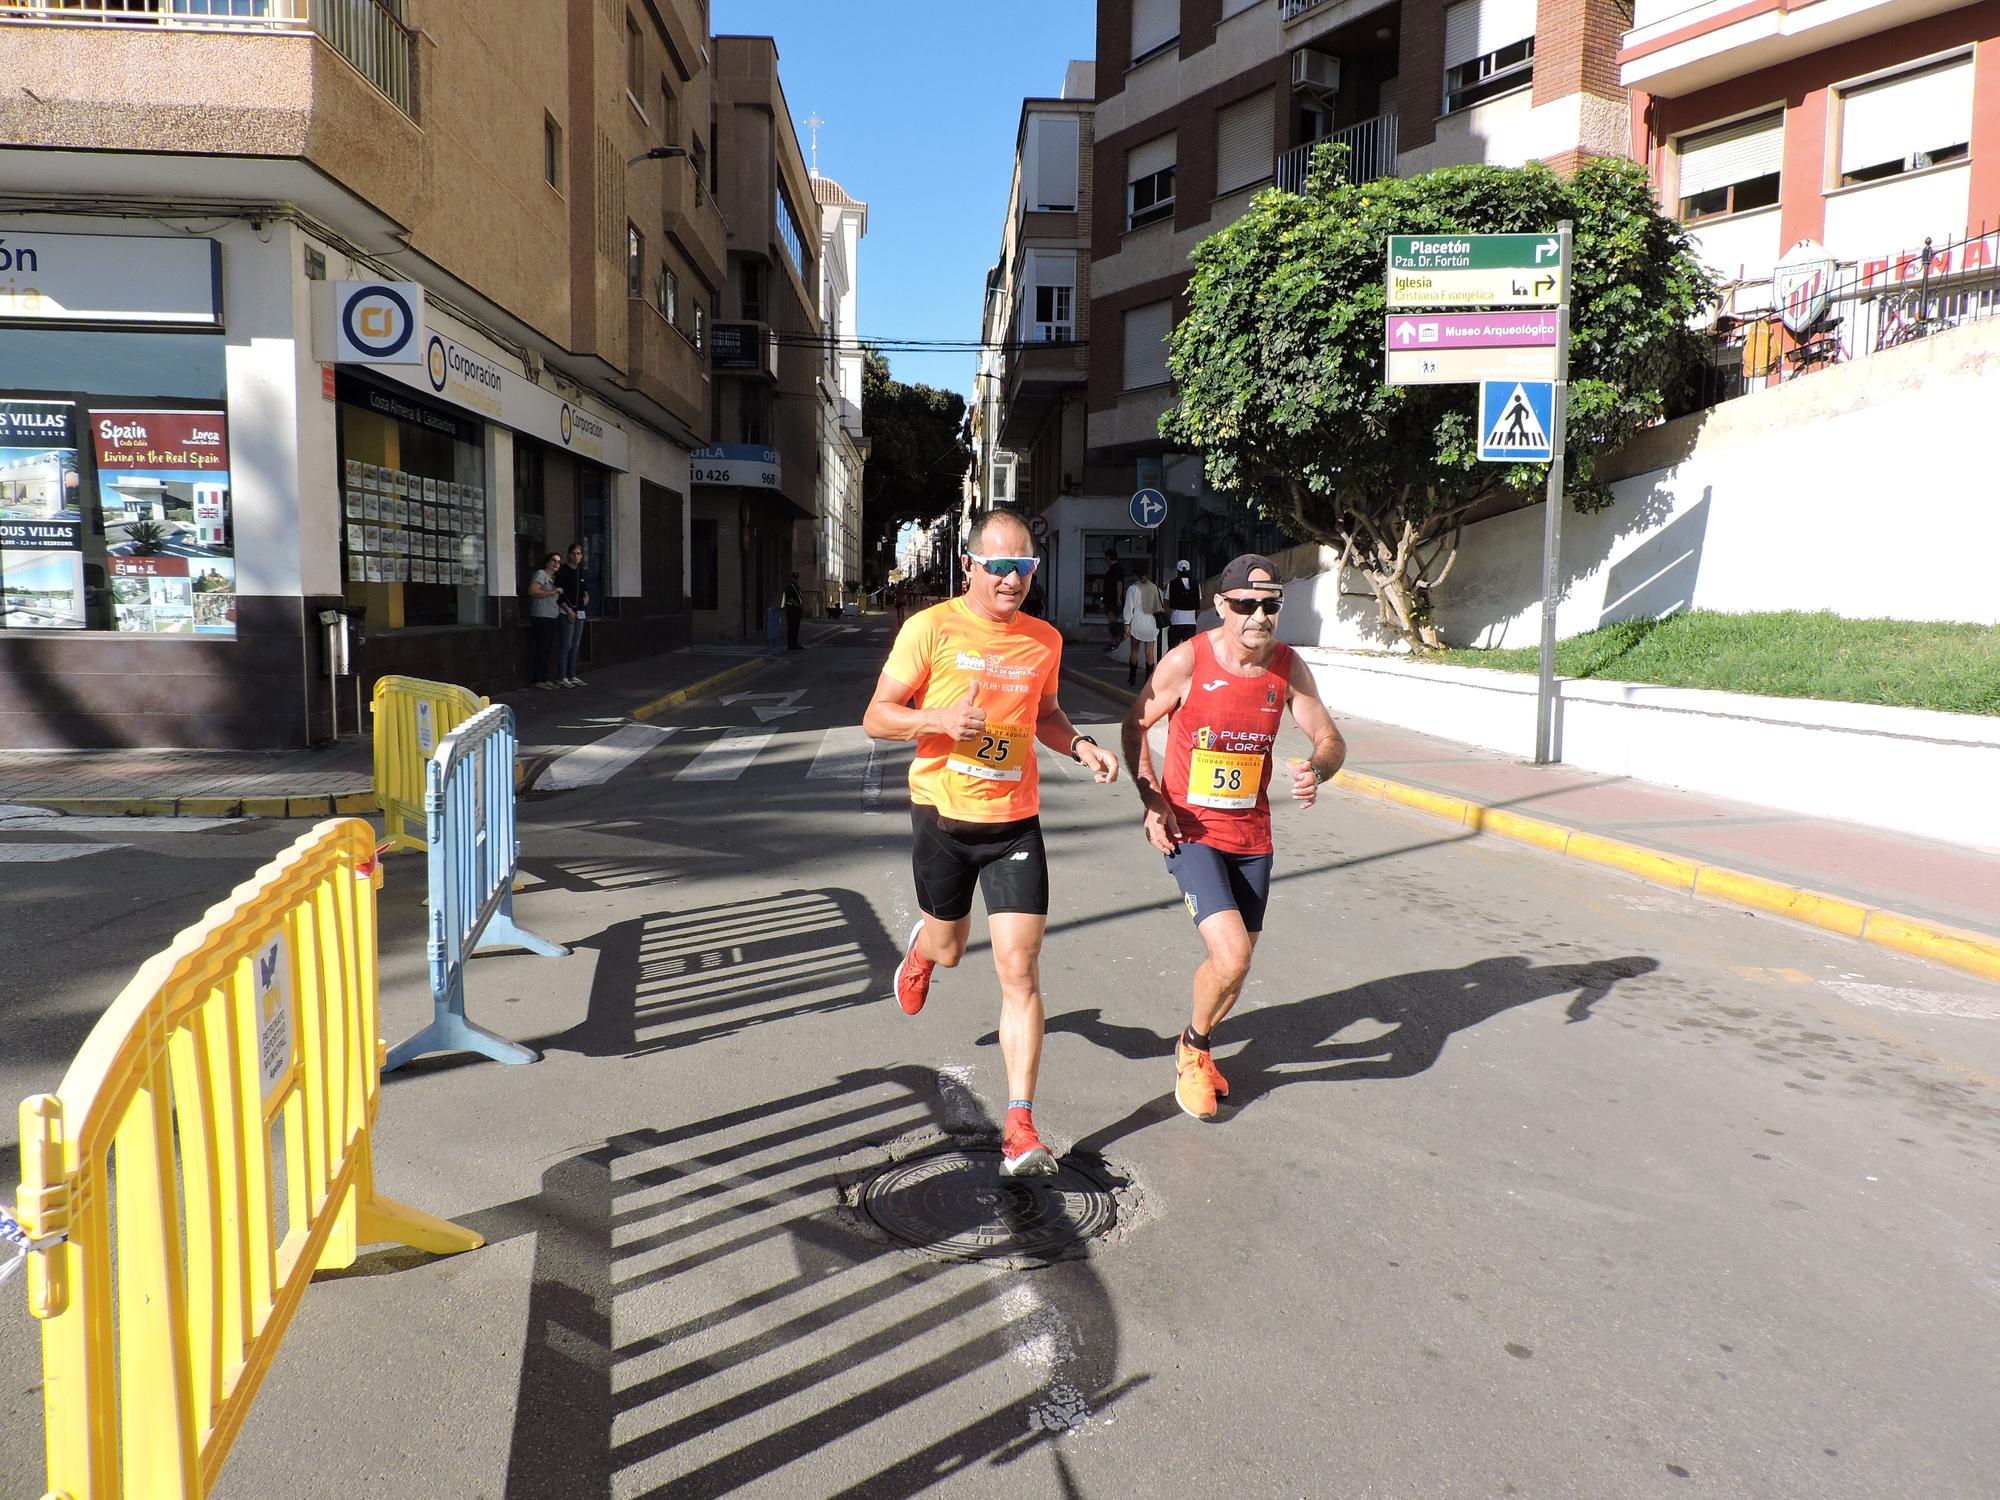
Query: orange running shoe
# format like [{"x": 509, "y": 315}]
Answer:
[
  {"x": 1022, "y": 1153},
  {"x": 913, "y": 976},
  {"x": 1195, "y": 1081}
]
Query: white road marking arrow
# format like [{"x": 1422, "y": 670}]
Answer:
[{"x": 777, "y": 710}]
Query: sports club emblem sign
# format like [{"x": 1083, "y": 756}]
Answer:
[{"x": 1802, "y": 285}]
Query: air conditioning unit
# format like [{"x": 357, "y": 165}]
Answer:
[{"x": 1317, "y": 72}]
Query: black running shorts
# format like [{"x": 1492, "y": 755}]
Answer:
[
  {"x": 1005, "y": 860},
  {"x": 1212, "y": 881}
]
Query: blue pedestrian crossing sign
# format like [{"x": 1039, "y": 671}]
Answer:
[
  {"x": 1149, "y": 508},
  {"x": 1515, "y": 418}
]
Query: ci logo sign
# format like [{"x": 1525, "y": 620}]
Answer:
[
  {"x": 377, "y": 321},
  {"x": 567, "y": 420},
  {"x": 434, "y": 363}
]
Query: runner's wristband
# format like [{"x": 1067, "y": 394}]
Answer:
[{"x": 1082, "y": 739}]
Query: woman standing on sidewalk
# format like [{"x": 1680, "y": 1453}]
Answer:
[
  {"x": 1143, "y": 605},
  {"x": 544, "y": 619}
]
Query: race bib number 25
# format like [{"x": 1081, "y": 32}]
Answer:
[{"x": 997, "y": 754}]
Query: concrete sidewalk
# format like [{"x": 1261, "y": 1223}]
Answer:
[
  {"x": 1939, "y": 901},
  {"x": 331, "y": 779}
]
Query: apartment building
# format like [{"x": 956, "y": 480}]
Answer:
[
  {"x": 318, "y": 305},
  {"x": 843, "y": 448},
  {"x": 1202, "y": 103},
  {"x": 756, "y": 514},
  {"x": 1814, "y": 149}
]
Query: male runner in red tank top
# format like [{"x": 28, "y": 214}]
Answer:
[{"x": 1224, "y": 695}]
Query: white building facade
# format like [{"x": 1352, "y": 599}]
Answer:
[{"x": 843, "y": 447}]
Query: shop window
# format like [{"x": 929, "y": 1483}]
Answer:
[
  {"x": 413, "y": 504},
  {"x": 597, "y": 529},
  {"x": 1149, "y": 182},
  {"x": 1732, "y": 168},
  {"x": 1489, "y": 50},
  {"x": 115, "y": 493},
  {"x": 1918, "y": 119}
]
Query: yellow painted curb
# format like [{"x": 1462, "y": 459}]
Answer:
[
  {"x": 1648, "y": 864},
  {"x": 700, "y": 689},
  {"x": 1829, "y": 913},
  {"x": 1971, "y": 951},
  {"x": 1553, "y": 837},
  {"x": 359, "y": 804},
  {"x": 260, "y": 807}
]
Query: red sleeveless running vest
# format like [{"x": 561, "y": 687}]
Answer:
[{"x": 1219, "y": 752}]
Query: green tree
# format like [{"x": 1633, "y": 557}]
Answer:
[
  {"x": 1279, "y": 361},
  {"x": 917, "y": 453}
]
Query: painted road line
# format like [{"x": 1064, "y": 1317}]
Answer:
[
  {"x": 727, "y": 758},
  {"x": 844, "y": 754},
  {"x": 16, "y": 818},
  {"x": 596, "y": 763},
  {"x": 43, "y": 854}
]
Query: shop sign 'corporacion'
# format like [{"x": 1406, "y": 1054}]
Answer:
[
  {"x": 1475, "y": 270},
  {"x": 378, "y": 322},
  {"x": 119, "y": 280}
]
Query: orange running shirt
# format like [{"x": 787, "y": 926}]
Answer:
[{"x": 949, "y": 652}]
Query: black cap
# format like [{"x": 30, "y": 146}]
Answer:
[{"x": 1237, "y": 574}]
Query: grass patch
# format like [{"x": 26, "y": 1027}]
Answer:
[{"x": 1900, "y": 663}]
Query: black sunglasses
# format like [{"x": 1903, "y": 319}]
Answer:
[{"x": 1251, "y": 606}]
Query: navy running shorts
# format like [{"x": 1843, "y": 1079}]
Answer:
[
  {"x": 1212, "y": 881},
  {"x": 1006, "y": 861}
]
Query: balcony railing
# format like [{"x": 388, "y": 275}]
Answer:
[
  {"x": 1293, "y": 9},
  {"x": 1371, "y": 153},
  {"x": 370, "y": 34}
]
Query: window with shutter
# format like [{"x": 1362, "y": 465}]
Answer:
[
  {"x": 1054, "y": 140},
  {"x": 1918, "y": 119},
  {"x": 1149, "y": 181},
  {"x": 1733, "y": 167},
  {"x": 1146, "y": 330},
  {"x": 1489, "y": 50},
  {"x": 1243, "y": 153},
  {"x": 1155, "y": 23},
  {"x": 1048, "y": 309}
]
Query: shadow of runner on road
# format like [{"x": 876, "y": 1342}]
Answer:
[
  {"x": 705, "y": 1314},
  {"x": 1303, "y": 1041},
  {"x": 673, "y": 979}
]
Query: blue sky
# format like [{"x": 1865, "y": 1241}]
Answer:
[{"x": 921, "y": 102}]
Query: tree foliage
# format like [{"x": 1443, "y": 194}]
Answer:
[
  {"x": 1279, "y": 362},
  {"x": 917, "y": 455}
]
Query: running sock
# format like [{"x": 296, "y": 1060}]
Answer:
[
  {"x": 1020, "y": 1112},
  {"x": 1198, "y": 1039}
]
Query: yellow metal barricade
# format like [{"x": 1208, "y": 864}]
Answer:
[
  {"x": 412, "y": 717},
  {"x": 206, "y": 1152}
]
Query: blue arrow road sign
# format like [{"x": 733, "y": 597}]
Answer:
[
  {"x": 1149, "y": 508},
  {"x": 1515, "y": 419}
]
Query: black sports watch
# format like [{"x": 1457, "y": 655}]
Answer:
[{"x": 1082, "y": 739}]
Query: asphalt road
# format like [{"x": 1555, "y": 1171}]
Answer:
[{"x": 1538, "y": 1180}]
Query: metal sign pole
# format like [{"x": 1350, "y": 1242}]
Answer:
[{"x": 1552, "y": 521}]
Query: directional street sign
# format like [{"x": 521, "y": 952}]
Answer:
[
  {"x": 1149, "y": 508},
  {"x": 1475, "y": 330},
  {"x": 1468, "y": 366},
  {"x": 1475, "y": 270},
  {"x": 1515, "y": 419}
]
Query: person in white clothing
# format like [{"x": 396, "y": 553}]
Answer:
[{"x": 1143, "y": 605}]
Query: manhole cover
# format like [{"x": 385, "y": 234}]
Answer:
[{"x": 955, "y": 1204}]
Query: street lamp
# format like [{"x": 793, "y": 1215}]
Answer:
[{"x": 658, "y": 153}]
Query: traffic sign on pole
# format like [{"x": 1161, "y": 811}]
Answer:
[
  {"x": 1515, "y": 421},
  {"x": 1545, "y": 693},
  {"x": 1149, "y": 508},
  {"x": 1471, "y": 330},
  {"x": 1476, "y": 270}
]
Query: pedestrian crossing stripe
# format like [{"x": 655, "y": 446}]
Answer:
[{"x": 1514, "y": 420}]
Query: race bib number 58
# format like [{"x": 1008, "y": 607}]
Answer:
[
  {"x": 997, "y": 754},
  {"x": 1224, "y": 779}
]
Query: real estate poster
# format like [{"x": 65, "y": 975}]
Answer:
[
  {"x": 163, "y": 486},
  {"x": 41, "y": 517}
]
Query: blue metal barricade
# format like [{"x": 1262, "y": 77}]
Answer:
[{"x": 469, "y": 828}]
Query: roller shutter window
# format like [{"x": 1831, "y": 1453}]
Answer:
[
  {"x": 1243, "y": 134},
  {"x": 1918, "y": 119},
  {"x": 1149, "y": 181},
  {"x": 1154, "y": 24},
  {"x": 1732, "y": 168},
  {"x": 1055, "y": 161},
  {"x": 1146, "y": 330},
  {"x": 1489, "y": 49}
]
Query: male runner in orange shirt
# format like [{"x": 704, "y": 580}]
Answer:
[
  {"x": 1227, "y": 691},
  {"x": 973, "y": 682}
]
